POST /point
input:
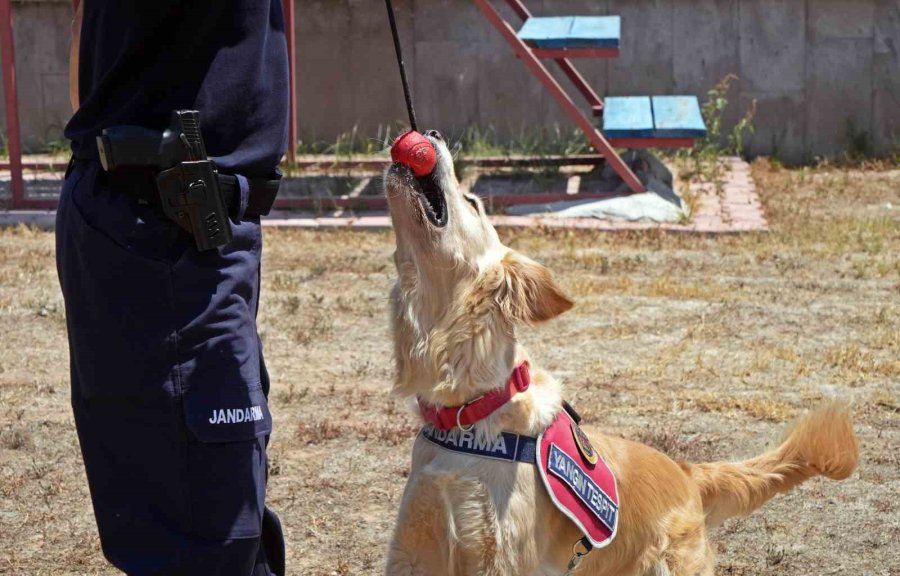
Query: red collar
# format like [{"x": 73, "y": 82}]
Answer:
[{"x": 465, "y": 416}]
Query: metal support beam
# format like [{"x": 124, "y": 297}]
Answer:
[
  {"x": 576, "y": 53},
  {"x": 578, "y": 80},
  {"x": 13, "y": 135},
  {"x": 289, "y": 24},
  {"x": 520, "y": 9},
  {"x": 320, "y": 203},
  {"x": 561, "y": 58},
  {"x": 525, "y": 53},
  {"x": 653, "y": 142}
]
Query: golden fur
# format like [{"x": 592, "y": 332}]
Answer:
[{"x": 459, "y": 297}]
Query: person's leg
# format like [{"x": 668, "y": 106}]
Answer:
[
  {"x": 270, "y": 559},
  {"x": 166, "y": 386}
]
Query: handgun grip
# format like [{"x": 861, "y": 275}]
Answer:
[{"x": 130, "y": 146}]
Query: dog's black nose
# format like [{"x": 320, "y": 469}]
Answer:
[{"x": 434, "y": 134}]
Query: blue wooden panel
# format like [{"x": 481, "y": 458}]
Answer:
[
  {"x": 556, "y": 32},
  {"x": 627, "y": 117},
  {"x": 548, "y": 32},
  {"x": 595, "y": 32},
  {"x": 677, "y": 117}
]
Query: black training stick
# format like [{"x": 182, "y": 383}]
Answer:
[{"x": 406, "y": 92}]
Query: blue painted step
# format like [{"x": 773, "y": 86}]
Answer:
[
  {"x": 652, "y": 117},
  {"x": 627, "y": 117},
  {"x": 557, "y": 32},
  {"x": 678, "y": 117}
]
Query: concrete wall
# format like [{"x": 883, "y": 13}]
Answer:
[
  {"x": 41, "y": 35},
  {"x": 814, "y": 67}
]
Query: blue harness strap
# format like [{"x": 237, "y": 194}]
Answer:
[{"x": 507, "y": 446}]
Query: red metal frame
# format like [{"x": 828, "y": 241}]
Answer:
[
  {"x": 43, "y": 166},
  {"x": 380, "y": 202},
  {"x": 15, "y": 165},
  {"x": 578, "y": 80},
  {"x": 562, "y": 62},
  {"x": 527, "y": 55},
  {"x": 336, "y": 163},
  {"x": 576, "y": 53},
  {"x": 289, "y": 24},
  {"x": 13, "y": 135},
  {"x": 530, "y": 56},
  {"x": 652, "y": 142}
]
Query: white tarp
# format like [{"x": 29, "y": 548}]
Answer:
[{"x": 647, "y": 206}]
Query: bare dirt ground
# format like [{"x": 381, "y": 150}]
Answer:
[{"x": 702, "y": 346}]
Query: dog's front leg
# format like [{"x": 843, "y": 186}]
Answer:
[
  {"x": 401, "y": 562},
  {"x": 416, "y": 549},
  {"x": 446, "y": 527}
]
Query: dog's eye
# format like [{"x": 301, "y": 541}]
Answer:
[{"x": 473, "y": 202}]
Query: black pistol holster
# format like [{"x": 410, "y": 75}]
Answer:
[{"x": 191, "y": 191}]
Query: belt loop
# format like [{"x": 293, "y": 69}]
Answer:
[{"x": 243, "y": 197}]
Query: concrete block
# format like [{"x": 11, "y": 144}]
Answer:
[
  {"x": 570, "y": 7},
  {"x": 447, "y": 85},
  {"x": 41, "y": 33},
  {"x": 376, "y": 93},
  {"x": 772, "y": 45},
  {"x": 887, "y": 27},
  {"x": 28, "y": 80},
  {"x": 347, "y": 73},
  {"x": 839, "y": 94},
  {"x": 450, "y": 21},
  {"x": 886, "y": 78},
  {"x": 645, "y": 64},
  {"x": 57, "y": 109},
  {"x": 482, "y": 84},
  {"x": 886, "y": 104},
  {"x": 509, "y": 97},
  {"x": 841, "y": 19},
  {"x": 701, "y": 60},
  {"x": 780, "y": 125},
  {"x": 322, "y": 27}
]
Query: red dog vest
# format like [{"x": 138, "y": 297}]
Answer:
[{"x": 578, "y": 480}]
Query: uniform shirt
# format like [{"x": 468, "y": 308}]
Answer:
[{"x": 142, "y": 59}]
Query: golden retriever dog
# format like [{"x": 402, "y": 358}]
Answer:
[{"x": 459, "y": 299}]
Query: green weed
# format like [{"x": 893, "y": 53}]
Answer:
[{"x": 703, "y": 159}]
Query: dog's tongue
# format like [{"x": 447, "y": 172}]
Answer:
[{"x": 415, "y": 151}]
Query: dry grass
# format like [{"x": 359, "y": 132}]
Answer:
[
  {"x": 759, "y": 408},
  {"x": 703, "y": 347}
]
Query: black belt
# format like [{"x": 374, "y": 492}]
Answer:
[
  {"x": 260, "y": 199},
  {"x": 141, "y": 182}
]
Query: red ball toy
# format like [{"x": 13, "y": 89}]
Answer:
[{"x": 415, "y": 151}]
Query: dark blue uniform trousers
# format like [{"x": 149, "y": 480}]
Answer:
[{"x": 168, "y": 385}]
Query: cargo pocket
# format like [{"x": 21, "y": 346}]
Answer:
[
  {"x": 225, "y": 413},
  {"x": 226, "y": 459},
  {"x": 118, "y": 302}
]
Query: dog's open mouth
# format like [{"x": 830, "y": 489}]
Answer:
[{"x": 432, "y": 199}]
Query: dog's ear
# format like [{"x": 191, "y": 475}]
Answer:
[{"x": 527, "y": 291}]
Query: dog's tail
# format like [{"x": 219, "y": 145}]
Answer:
[{"x": 820, "y": 443}]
